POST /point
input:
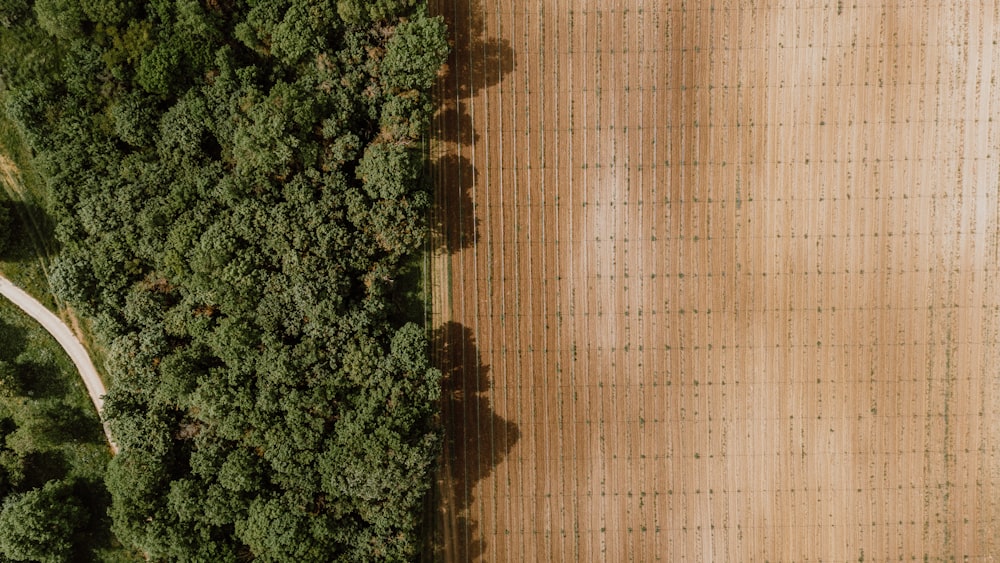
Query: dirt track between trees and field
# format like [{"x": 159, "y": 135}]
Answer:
[
  {"x": 718, "y": 281},
  {"x": 61, "y": 332}
]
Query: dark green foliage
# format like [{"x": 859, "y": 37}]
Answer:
[
  {"x": 134, "y": 119},
  {"x": 71, "y": 276},
  {"x": 158, "y": 68},
  {"x": 10, "y": 380},
  {"x": 108, "y": 12},
  {"x": 360, "y": 12},
  {"x": 5, "y": 224},
  {"x": 411, "y": 54},
  {"x": 13, "y": 12},
  {"x": 238, "y": 189},
  {"x": 288, "y": 30},
  {"x": 39, "y": 525},
  {"x": 60, "y": 18}
]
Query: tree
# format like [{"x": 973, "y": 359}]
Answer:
[
  {"x": 414, "y": 53},
  {"x": 236, "y": 186},
  {"x": 158, "y": 69},
  {"x": 12, "y": 464},
  {"x": 358, "y": 12},
  {"x": 138, "y": 482},
  {"x": 60, "y": 18},
  {"x": 134, "y": 120},
  {"x": 108, "y": 12},
  {"x": 278, "y": 529},
  {"x": 12, "y": 12},
  {"x": 72, "y": 279},
  {"x": 286, "y": 29},
  {"x": 40, "y": 524}
]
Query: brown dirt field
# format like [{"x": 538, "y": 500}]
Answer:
[{"x": 718, "y": 281}]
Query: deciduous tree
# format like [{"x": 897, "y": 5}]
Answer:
[{"x": 39, "y": 525}]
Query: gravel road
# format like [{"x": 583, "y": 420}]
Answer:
[{"x": 67, "y": 340}]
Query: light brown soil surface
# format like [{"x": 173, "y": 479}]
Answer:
[{"x": 718, "y": 281}]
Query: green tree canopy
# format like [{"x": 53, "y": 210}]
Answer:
[
  {"x": 39, "y": 525},
  {"x": 236, "y": 189}
]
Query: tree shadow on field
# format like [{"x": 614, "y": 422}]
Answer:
[
  {"x": 476, "y": 438},
  {"x": 42, "y": 466},
  {"x": 40, "y": 380},
  {"x": 457, "y": 226},
  {"x": 12, "y": 341},
  {"x": 477, "y": 62},
  {"x": 73, "y": 425}
]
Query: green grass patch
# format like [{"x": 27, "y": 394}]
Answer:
[
  {"x": 51, "y": 432},
  {"x": 31, "y": 242}
]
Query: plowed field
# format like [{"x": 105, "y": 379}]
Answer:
[{"x": 718, "y": 281}]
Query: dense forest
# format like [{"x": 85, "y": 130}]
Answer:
[{"x": 238, "y": 191}]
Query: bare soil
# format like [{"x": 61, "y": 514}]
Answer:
[{"x": 718, "y": 281}]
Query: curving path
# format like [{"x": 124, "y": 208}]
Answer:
[{"x": 66, "y": 339}]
